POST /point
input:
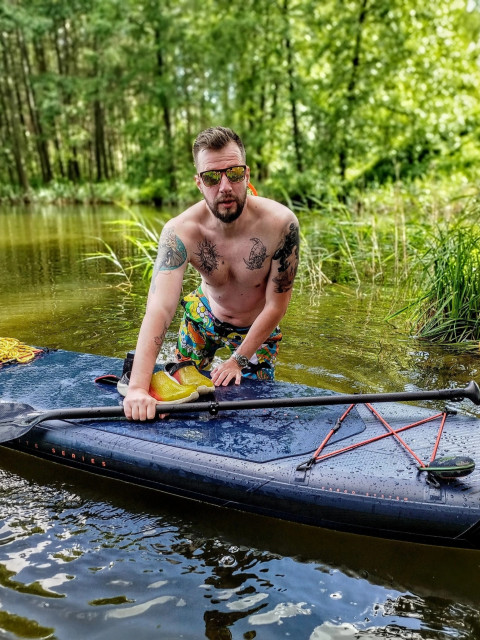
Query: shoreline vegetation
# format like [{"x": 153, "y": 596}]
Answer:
[{"x": 101, "y": 101}]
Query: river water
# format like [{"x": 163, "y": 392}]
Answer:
[{"x": 82, "y": 557}]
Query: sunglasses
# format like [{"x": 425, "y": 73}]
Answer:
[{"x": 213, "y": 177}]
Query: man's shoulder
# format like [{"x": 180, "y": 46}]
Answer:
[
  {"x": 189, "y": 217},
  {"x": 188, "y": 226},
  {"x": 276, "y": 213}
]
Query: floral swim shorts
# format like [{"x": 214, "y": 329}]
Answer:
[{"x": 201, "y": 335}]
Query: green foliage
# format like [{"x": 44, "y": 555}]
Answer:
[
  {"x": 155, "y": 191},
  {"x": 447, "y": 306},
  {"x": 142, "y": 238},
  {"x": 329, "y": 97}
]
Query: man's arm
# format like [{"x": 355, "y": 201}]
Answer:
[
  {"x": 165, "y": 289},
  {"x": 277, "y": 297}
]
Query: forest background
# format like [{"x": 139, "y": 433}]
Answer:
[
  {"x": 329, "y": 96},
  {"x": 366, "y": 111}
]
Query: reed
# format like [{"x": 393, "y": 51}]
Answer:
[
  {"x": 310, "y": 270},
  {"x": 446, "y": 301},
  {"x": 122, "y": 268},
  {"x": 356, "y": 241},
  {"x": 142, "y": 238}
]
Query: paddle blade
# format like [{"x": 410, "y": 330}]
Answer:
[
  {"x": 450, "y": 467},
  {"x": 13, "y": 420}
]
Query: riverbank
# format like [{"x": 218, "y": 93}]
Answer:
[{"x": 63, "y": 193}]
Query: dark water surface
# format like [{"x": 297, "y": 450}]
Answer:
[{"x": 87, "y": 558}]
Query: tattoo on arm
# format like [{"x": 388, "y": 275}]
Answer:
[
  {"x": 258, "y": 255},
  {"x": 171, "y": 252},
  {"x": 208, "y": 255},
  {"x": 287, "y": 254},
  {"x": 171, "y": 255},
  {"x": 158, "y": 340}
]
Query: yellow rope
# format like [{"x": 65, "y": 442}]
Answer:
[{"x": 12, "y": 350}]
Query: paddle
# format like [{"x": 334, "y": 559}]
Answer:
[{"x": 18, "y": 419}]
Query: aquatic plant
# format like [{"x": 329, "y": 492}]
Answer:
[
  {"x": 122, "y": 267},
  {"x": 142, "y": 239},
  {"x": 310, "y": 273},
  {"x": 446, "y": 304}
]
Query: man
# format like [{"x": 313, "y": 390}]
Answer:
[{"x": 246, "y": 251}]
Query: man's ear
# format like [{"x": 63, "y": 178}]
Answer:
[{"x": 198, "y": 182}]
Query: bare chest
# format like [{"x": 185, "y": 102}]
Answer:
[{"x": 241, "y": 260}]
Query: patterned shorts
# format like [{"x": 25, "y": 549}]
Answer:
[{"x": 201, "y": 335}]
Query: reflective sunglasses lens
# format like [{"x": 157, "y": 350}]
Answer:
[
  {"x": 236, "y": 174},
  {"x": 211, "y": 178}
]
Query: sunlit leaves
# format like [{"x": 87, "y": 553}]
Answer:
[{"x": 345, "y": 93}]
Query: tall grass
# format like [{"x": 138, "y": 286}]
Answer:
[
  {"x": 356, "y": 242},
  {"x": 143, "y": 240},
  {"x": 446, "y": 307},
  {"x": 121, "y": 268},
  {"x": 310, "y": 272}
]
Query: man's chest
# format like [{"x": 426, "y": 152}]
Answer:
[{"x": 236, "y": 259}]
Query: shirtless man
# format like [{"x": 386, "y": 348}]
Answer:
[{"x": 246, "y": 251}]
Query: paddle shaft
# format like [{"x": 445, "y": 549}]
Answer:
[{"x": 471, "y": 392}]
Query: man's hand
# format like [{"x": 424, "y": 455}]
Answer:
[
  {"x": 226, "y": 372},
  {"x": 139, "y": 405}
]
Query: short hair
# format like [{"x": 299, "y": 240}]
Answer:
[{"x": 216, "y": 138}]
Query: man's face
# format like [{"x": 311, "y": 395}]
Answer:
[{"x": 226, "y": 199}]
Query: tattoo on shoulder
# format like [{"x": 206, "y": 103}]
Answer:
[
  {"x": 258, "y": 255},
  {"x": 171, "y": 252},
  {"x": 287, "y": 254},
  {"x": 208, "y": 255}
]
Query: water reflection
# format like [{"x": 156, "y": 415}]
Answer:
[{"x": 84, "y": 564}]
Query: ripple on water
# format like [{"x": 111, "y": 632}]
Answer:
[{"x": 280, "y": 612}]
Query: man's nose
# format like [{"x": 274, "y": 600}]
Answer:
[{"x": 225, "y": 184}]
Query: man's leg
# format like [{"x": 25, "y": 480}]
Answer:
[{"x": 194, "y": 344}]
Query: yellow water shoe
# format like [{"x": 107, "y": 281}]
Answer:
[
  {"x": 164, "y": 388},
  {"x": 187, "y": 374}
]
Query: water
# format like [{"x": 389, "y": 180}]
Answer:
[{"x": 82, "y": 557}]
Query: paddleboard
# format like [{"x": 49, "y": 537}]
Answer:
[{"x": 260, "y": 460}]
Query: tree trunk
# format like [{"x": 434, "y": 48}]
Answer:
[
  {"x": 350, "y": 94},
  {"x": 5, "y": 140},
  {"x": 40, "y": 141},
  {"x": 12, "y": 118},
  {"x": 63, "y": 65},
  {"x": 99, "y": 142},
  {"x": 50, "y": 124},
  {"x": 292, "y": 93},
  {"x": 167, "y": 121}
]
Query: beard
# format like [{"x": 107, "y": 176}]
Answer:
[{"x": 228, "y": 213}]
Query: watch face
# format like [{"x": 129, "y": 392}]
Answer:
[{"x": 241, "y": 360}]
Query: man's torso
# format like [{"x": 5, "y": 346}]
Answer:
[{"x": 234, "y": 260}]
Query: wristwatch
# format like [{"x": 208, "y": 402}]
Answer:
[{"x": 242, "y": 361}]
